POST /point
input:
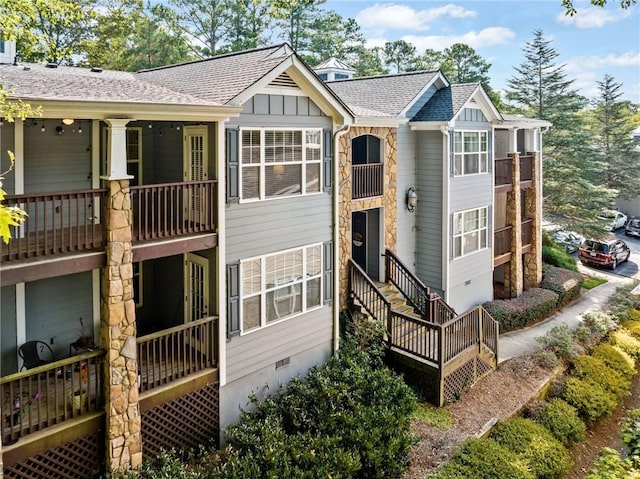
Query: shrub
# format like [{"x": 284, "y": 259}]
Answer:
[
  {"x": 633, "y": 326},
  {"x": 559, "y": 340},
  {"x": 591, "y": 400},
  {"x": 625, "y": 341},
  {"x": 532, "y": 305},
  {"x": 621, "y": 302},
  {"x": 594, "y": 370},
  {"x": 631, "y": 433},
  {"x": 610, "y": 465},
  {"x": 615, "y": 358},
  {"x": 563, "y": 421},
  {"x": 565, "y": 283},
  {"x": 555, "y": 256},
  {"x": 599, "y": 322},
  {"x": 483, "y": 459},
  {"x": 546, "y": 457}
]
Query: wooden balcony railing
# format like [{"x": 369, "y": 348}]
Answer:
[
  {"x": 526, "y": 167},
  {"x": 47, "y": 395},
  {"x": 527, "y": 231},
  {"x": 176, "y": 352},
  {"x": 57, "y": 223},
  {"x": 502, "y": 241},
  {"x": 367, "y": 180},
  {"x": 503, "y": 170},
  {"x": 173, "y": 209}
]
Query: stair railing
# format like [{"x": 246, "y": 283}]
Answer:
[{"x": 367, "y": 293}]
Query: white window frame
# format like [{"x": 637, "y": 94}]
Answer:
[
  {"x": 458, "y": 217},
  {"x": 461, "y": 154},
  {"x": 262, "y": 164},
  {"x": 136, "y": 162},
  {"x": 303, "y": 280}
]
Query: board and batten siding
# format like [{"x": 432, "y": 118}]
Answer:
[
  {"x": 429, "y": 167},
  {"x": 8, "y": 331},
  {"x": 406, "y": 177}
]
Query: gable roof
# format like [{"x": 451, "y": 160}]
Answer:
[
  {"x": 445, "y": 104},
  {"x": 388, "y": 95}
]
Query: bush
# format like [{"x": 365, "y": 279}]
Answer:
[
  {"x": 555, "y": 256},
  {"x": 532, "y": 305},
  {"x": 546, "y": 457},
  {"x": 625, "y": 341},
  {"x": 594, "y": 370},
  {"x": 615, "y": 358},
  {"x": 559, "y": 340},
  {"x": 591, "y": 400},
  {"x": 565, "y": 283},
  {"x": 633, "y": 326},
  {"x": 563, "y": 421},
  {"x": 483, "y": 459},
  {"x": 360, "y": 413},
  {"x": 599, "y": 322},
  {"x": 621, "y": 302}
]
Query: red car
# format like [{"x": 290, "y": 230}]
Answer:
[{"x": 608, "y": 252}]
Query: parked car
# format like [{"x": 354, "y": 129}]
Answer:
[
  {"x": 614, "y": 219},
  {"x": 632, "y": 227},
  {"x": 570, "y": 240},
  {"x": 608, "y": 252}
]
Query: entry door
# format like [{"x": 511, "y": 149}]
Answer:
[
  {"x": 359, "y": 238},
  {"x": 196, "y": 287},
  {"x": 196, "y": 153}
]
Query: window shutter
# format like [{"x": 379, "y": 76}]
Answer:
[
  {"x": 490, "y": 226},
  {"x": 451, "y": 242},
  {"x": 328, "y": 155},
  {"x": 451, "y": 152},
  {"x": 233, "y": 299},
  {"x": 327, "y": 276},
  {"x": 233, "y": 164},
  {"x": 490, "y": 151}
]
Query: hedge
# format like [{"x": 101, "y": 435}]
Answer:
[
  {"x": 532, "y": 305},
  {"x": 591, "y": 400},
  {"x": 595, "y": 370},
  {"x": 565, "y": 283},
  {"x": 558, "y": 257},
  {"x": 563, "y": 421},
  {"x": 615, "y": 358}
]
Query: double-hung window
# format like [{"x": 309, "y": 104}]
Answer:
[
  {"x": 280, "y": 285},
  {"x": 470, "y": 230},
  {"x": 470, "y": 152},
  {"x": 280, "y": 162}
]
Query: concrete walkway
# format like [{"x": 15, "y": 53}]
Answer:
[{"x": 523, "y": 341}]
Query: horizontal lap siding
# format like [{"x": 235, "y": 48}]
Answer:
[
  {"x": 469, "y": 192},
  {"x": 406, "y": 242},
  {"x": 430, "y": 249},
  {"x": 476, "y": 268}
]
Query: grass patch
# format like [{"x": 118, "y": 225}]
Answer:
[
  {"x": 436, "y": 417},
  {"x": 591, "y": 282}
]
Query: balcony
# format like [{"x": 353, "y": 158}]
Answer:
[
  {"x": 367, "y": 180},
  {"x": 526, "y": 171},
  {"x": 503, "y": 172},
  {"x": 502, "y": 245},
  {"x": 526, "y": 235}
]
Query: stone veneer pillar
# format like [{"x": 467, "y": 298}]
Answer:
[
  {"x": 118, "y": 332},
  {"x": 533, "y": 204},
  {"x": 514, "y": 215}
]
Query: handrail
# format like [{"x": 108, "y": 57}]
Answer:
[
  {"x": 475, "y": 327},
  {"x": 365, "y": 291},
  {"x": 367, "y": 180},
  {"x": 415, "y": 336}
]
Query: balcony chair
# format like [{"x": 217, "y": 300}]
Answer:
[{"x": 34, "y": 354}]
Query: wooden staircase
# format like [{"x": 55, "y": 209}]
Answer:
[{"x": 442, "y": 352}]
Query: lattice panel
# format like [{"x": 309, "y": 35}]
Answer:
[
  {"x": 183, "y": 423},
  {"x": 79, "y": 459},
  {"x": 459, "y": 380},
  {"x": 482, "y": 368}
]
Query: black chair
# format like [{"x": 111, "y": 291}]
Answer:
[{"x": 34, "y": 354}]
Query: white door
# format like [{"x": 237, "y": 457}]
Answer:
[
  {"x": 196, "y": 287},
  {"x": 196, "y": 151}
]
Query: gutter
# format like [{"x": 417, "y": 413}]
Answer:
[
  {"x": 342, "y": 130},
  {"x": 445, "y": 209}
]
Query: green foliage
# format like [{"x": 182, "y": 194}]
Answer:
[
  {"x": 434, "y": 416},
  {"x": 531, "y": 306},
  {"x": 484, "y": 459},
  {"x": 615, "y": 358},
  {"x": 559, "y": 340},
  {"x": 631, "y": 433},
  {"x": 594, "y": 370},
  {"x": 591, "y": 400},
  {"x": 599, "y": 322},
  {"x": 627, "y": 342},
  {"x": 557, "y": 256},
  {"x": 621, "y": 302},
  {"x": 563, "y": 421},
  {"x": 565, "y": 283},
  {"x": 610, "y": 465},
  {"x": 593, "y": 281},
  {"x": 633, "y": 326},
  {"x": 545, "y": 456}
]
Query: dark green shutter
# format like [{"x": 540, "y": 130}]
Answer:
[
  {"x": 233, "y": 299},
  {"x": 328, "y": 156},
  {"x": 232, "y": 148},
  {"x": 327, "y": 276}
]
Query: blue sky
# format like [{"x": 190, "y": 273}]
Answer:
[{"x": 593, "y": 42}]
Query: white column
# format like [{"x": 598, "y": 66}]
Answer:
[{"x": 117, "y": 149}]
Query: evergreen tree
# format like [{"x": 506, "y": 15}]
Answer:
[
  {"x": 611, "y": 123},
  {"x": 399, "y": 54},
  {"x": 366, "y": 61},
  {"x": 294, "y": 18},
  {"x": 571, "y": 190}
]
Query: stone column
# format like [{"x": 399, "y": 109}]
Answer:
[
  {"x": 514, "y": 218},
  {"x": 533, "y": 209}
]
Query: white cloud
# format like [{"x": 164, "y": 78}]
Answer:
[
  {"x": 628, "y": 59},
  {"x": 592, "y": 17},
  {"x": 483, "y": 38},
  {"x": 391, "y": 16}
]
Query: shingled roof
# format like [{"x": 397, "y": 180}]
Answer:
[
  {"x": 38, "y": 82},
  {"x": 220, "y": 78},
  {"x": 445, "y": 104},
  {"x": 388, "y": 95}
]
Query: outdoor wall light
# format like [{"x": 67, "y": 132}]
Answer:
[
  {"x": 67, "y": 121},
  {"x": 59, "y": 130},
  {"x": 412, "y": 199}
]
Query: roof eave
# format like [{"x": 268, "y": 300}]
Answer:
[
  {"x": 437, "y": 78},
  {"x": 430, "y": 125},
  {"x": 379, "y": 121},
  {"x": 523, "y": 123}
]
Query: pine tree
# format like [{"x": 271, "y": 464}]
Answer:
[
  {"x": 611, "y": 124},
  {"x": 572, "y": 189}
]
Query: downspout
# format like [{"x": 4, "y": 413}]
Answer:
[
  {"x": 445, "y": 209},
  {"x": 344, "y": 129}
]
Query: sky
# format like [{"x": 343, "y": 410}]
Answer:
[{"x": 593, "y": 42}]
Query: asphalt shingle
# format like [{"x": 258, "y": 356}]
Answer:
[{"x": 445, "y": 104}]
